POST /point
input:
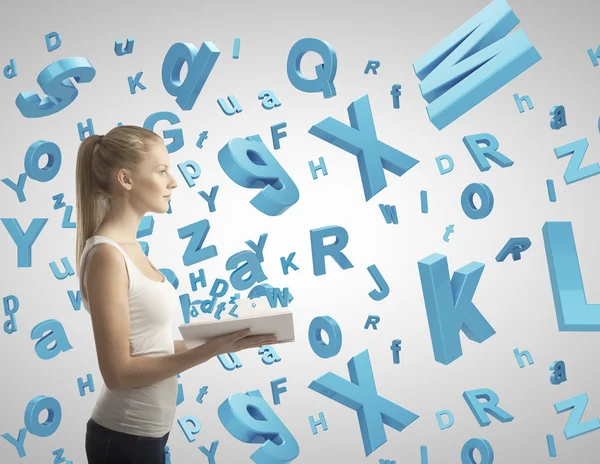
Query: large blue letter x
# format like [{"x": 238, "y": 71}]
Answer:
[
  {"x": 361, "y": 140},
  {"x": 360, "y": 394}
]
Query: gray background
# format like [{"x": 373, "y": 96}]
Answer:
[{"x": 515, "y": 297}]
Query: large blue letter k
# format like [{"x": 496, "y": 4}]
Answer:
[{"x": 449, "y": 306}]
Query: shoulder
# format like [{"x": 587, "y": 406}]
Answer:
[
  {"x": 105, "y": 263},
  {"x": 104, "y": 254}
]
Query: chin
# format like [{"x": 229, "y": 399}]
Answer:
[{"x": 161, "y": 209}]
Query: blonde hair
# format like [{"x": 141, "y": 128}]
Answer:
[{"x": 99, "y": 157}]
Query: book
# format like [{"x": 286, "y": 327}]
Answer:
[{"x": 254, "y": 314}]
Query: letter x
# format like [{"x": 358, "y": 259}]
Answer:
[
  {"x": 361, "y": 396},
  {"x": 361, "y": 140}
]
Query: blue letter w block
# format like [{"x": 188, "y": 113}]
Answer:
[
  {"x": 449, "y": 306},
  {"x": 572, "y": 309},
  {"x": 473, "y": 62},
  {"x": 361, "y": 140},
  {"x": 360, "y": 395}
]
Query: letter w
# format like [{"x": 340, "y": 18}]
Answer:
[
  {"x": 473, "y": 62},
  {"x": 389, "y": 213}
]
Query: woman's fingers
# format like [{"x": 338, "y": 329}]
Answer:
[
  {"x": 235, "y": 336},
  {"x": 255, "y": 340}
]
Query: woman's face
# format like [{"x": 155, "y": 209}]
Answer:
[{"x": 153, "y": 181}]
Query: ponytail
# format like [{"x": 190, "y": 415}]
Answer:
[{"x": 87, "y": 200}]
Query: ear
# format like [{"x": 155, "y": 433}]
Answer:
[{"x": 124, "y": 179}]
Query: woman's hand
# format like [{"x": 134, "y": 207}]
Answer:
[{"x": 236, "y": 341}]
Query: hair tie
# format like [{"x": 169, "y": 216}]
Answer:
[{"x": 100, "y": 138}]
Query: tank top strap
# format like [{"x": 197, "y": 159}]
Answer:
[{"x": 95, "y": 240}]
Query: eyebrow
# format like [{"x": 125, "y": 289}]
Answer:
[{"x": 165, "y": 165}]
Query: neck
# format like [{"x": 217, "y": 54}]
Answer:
[{"x": 121, "y": 223}]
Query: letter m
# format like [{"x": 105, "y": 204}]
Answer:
[{"x": 473, "y": 62}]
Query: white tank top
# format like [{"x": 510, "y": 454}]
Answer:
[{"x": 150, "y": 410}]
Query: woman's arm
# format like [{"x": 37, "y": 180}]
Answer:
[
  {"x": 179, "y": 346},
  {"x": 106, "y": 284}
]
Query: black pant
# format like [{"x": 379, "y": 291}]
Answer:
[{"x": 105, "y": 446}]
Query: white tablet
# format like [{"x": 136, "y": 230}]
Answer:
[{"x": 260, "y": 319}]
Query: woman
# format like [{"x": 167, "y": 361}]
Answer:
[{"x": 120, "y": 177}]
